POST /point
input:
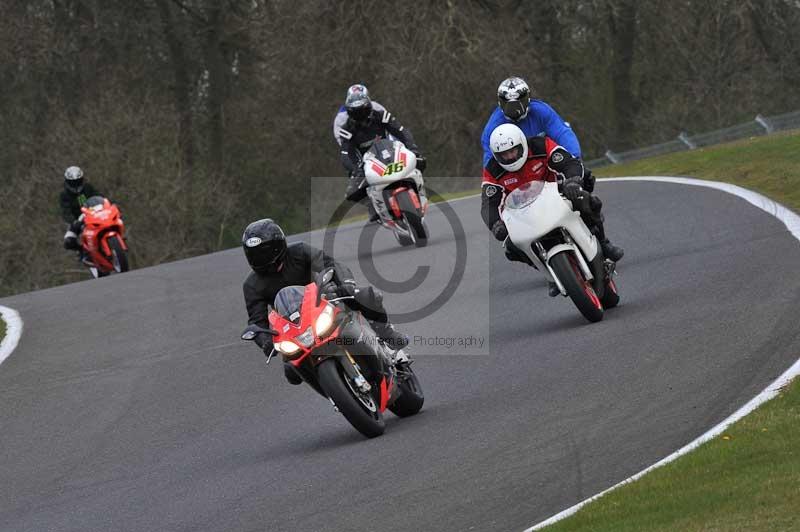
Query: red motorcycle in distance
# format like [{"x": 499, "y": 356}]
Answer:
[
  {"x": 103, "y": 238},
  {"x": 334, "y": 349}
]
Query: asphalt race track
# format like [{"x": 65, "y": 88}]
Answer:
[{"x": 131, "y": 405}]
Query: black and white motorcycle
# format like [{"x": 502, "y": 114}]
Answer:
[
  {"x": 542, "y": 223},
  {"x": 397, "y": 191}
]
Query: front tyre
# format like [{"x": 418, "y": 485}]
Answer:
[
  {"x": 578, "y": 288},
  {"x": 411, "y": 397},
  {"x": 413, "y": 219},
  {"x": 119, "y": 257},
  {"x": 360, "y": 410}
]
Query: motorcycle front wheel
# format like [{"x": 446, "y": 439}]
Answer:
[
  {"x": 119, "y": 257},
  {"x": 413, "y": 219},
  {"x": 579, "y": 290},
  {"x": 361, "y": 410}
]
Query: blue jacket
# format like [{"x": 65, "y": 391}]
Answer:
[{"x": 541, "y": 120}]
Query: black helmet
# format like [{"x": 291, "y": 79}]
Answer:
[
  {"x": 357, "y": 103},
  {"x": 513, "y": 97},
  {"x": 264, "y": 246},
  {"x": 73, "y": 179}
]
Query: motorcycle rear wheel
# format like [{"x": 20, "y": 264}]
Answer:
[
  {"x": 332, "y": 381},
  {"x": 411, "y": 397},
  {"x": 578, "y": 289}
]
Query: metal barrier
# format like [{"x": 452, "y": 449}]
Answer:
[{"x": 760, "y": 125}]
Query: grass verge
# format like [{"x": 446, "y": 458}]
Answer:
[
  {"x": 749, "y": 477},
  {"x": 2, "y": 329},
  {"x": 769, "y": 165}
]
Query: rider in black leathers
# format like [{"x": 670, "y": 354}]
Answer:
[
  {"x": 76, "y": 192},
  {"x": 277, "y": 265}
]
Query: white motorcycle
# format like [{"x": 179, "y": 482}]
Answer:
[
  {"x": 541, "y": 223},
  {"x": 397, "y": 191}
]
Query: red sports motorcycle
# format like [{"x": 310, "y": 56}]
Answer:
[
  {"x": 103, "y": 238},
  {"x": 334, "y": 349}
]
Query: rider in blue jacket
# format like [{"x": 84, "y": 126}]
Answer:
[{"x": 534, "y": 117}]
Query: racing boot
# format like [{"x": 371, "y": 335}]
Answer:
[
  {"x": 514, "y": 254},
  {"x": 610, "y": 251},
  {"x": 552, "y": 289},
  {"x": 394, "y": 340},
  {"x": 594, "y": 220},
  {"x": 373, "y": 214}
]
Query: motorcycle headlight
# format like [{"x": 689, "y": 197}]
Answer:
[
  {"x": 287, "y": 348},
  {"x": 324, "y": 321}
]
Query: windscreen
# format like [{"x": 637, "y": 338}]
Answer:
[
  {"x": 288, "y": 302},
  {"x": 94, "y": 201},
  {"x": 524, "y": 195},
  {"x": 383, "y": 150}
]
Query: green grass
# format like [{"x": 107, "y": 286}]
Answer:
[
  {"x": 449, "y": 196},
  {"x": 748, "y": 479},
  {"x": 769, "y": 165},
  {"x": 2, "y": 329}
]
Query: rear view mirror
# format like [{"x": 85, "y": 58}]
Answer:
[
  {"x": 323, "y": 278},
  {"x": 253, "y": 330}
]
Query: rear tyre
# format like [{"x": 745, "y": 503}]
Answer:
[
  {"x": 611, "y": 297},
  {"x": 362, "y": 411},
  {"x": 580, "y": 290},
  {"x": 119, "y": 257},
  {"x": 411, "y": 396},
  {"x": 413, "y": 219}
]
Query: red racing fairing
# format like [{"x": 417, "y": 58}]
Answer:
[{"x": 101, "y": 223}]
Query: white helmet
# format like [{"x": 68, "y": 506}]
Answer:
[
  {"x": 509, "y": 147},
  {"x": 73, "y": 179}
]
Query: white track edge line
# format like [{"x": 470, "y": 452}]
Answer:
[
  {"x": 792, "y": 222},
  {"x": 13, "y": 331}
]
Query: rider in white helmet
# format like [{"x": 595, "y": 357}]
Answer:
[{"x": 516, "y": 160}]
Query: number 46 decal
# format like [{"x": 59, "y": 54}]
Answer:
[{"x": 394, "y": 167}]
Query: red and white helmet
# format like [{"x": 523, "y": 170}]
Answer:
[{"x": 509, "y": 147}]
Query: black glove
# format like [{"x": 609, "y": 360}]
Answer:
[
  {"x": 333, "y": 289},
  {"x": 264, "y": 341},
  {"x": 422, "y": 163},
  {"x": 588, "y": 180},
  {"x": 572, "y": 190},
  {"x": 71, "y": 242},
  {"x": 358, "y": 171},
  {"x": 353, "y": 191},
  {"x": 499, "y": 230}
]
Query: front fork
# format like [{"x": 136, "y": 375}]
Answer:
[
  {"x": 364, "y": 361},
  {"x": 598, "y": 266}
]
